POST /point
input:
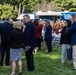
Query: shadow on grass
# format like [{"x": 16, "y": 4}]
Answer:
[{"x": 49, "y": 64}]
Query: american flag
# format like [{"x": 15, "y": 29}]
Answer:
[
  {"x": 23, "y": 9},
  {"x": 19, "y": 12}
]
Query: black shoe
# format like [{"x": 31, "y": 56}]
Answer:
[
  {"x": 74, "y": 69},
  {"x": 29, "y": 70},
  {"x": 7, "y": 65},
  {"x": 26, "y": 70},
  {"x": 1, "y": 64},
  {"x": 20, "y": 73}
]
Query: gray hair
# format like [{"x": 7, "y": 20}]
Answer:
[
  {"x": 47, "y": 21},
  {"x": 7, "y": 18},
  {"x": 27, "y": 16},
  {"x": 17, "y": 25}
]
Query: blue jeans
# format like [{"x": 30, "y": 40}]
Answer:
[
  {"x": 66, "y": 49},
  {"x": 69, "y": 54}
]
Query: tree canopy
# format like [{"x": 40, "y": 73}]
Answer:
[
  {"x": 10, "y": 7},
  {"x": 69, "y": 5},
  {"x": 8, "y": 10}
]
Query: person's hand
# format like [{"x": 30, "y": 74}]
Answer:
[{"x": 66, "y": 30}]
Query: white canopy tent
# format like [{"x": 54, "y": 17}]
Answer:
[
  {"x": 49, "y": 13},
  {"x": 21, "y": 16}
]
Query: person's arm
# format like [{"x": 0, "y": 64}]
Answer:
[
  {"x": 46, "y": 31},
  {"x": 0, "y": 28},
  {"x": 72, "y": 28},
  {"x": 0, "y": 39},
  {"x": 10, "y": 37},
  {"x": 27, "y": 35},
  {"x": 40, "y": 30}
]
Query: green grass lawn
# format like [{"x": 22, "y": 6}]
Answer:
[{"x": 45, "y": 64}]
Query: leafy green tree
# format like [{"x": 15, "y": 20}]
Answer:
[
  {"x": 10, "y": 7},
  {"x": 69, "y": 5},
  {"x": 28, "y": 4},
  {"x": 8, "y": 10}
]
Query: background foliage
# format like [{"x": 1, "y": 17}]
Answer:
[
  {"x": 10, "y": 7},
  {"x": 8, "y": 10}
]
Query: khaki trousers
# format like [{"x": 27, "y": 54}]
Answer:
[{"x": 74, "y": 56}]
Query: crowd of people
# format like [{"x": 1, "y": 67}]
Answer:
[
  {"x": 28, "y": 35},
  {"x": 15, "y": 37}
]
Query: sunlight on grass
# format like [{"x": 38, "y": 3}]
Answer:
[
  {"x": 51, "y": 55},
  {"x": 45, "y": 64},
  {"x": 23, "y": 57},
  {"x": 55, "y": 57}
]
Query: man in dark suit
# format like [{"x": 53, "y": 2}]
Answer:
[
  {"x": 48, "y": 36},
  {"x": 0, "y": 46},
  {"x": 5, "y": 29},
  {"x": 29, "y": 40}
]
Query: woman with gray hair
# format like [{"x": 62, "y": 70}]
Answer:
[{"x": 15, "y": 43}]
